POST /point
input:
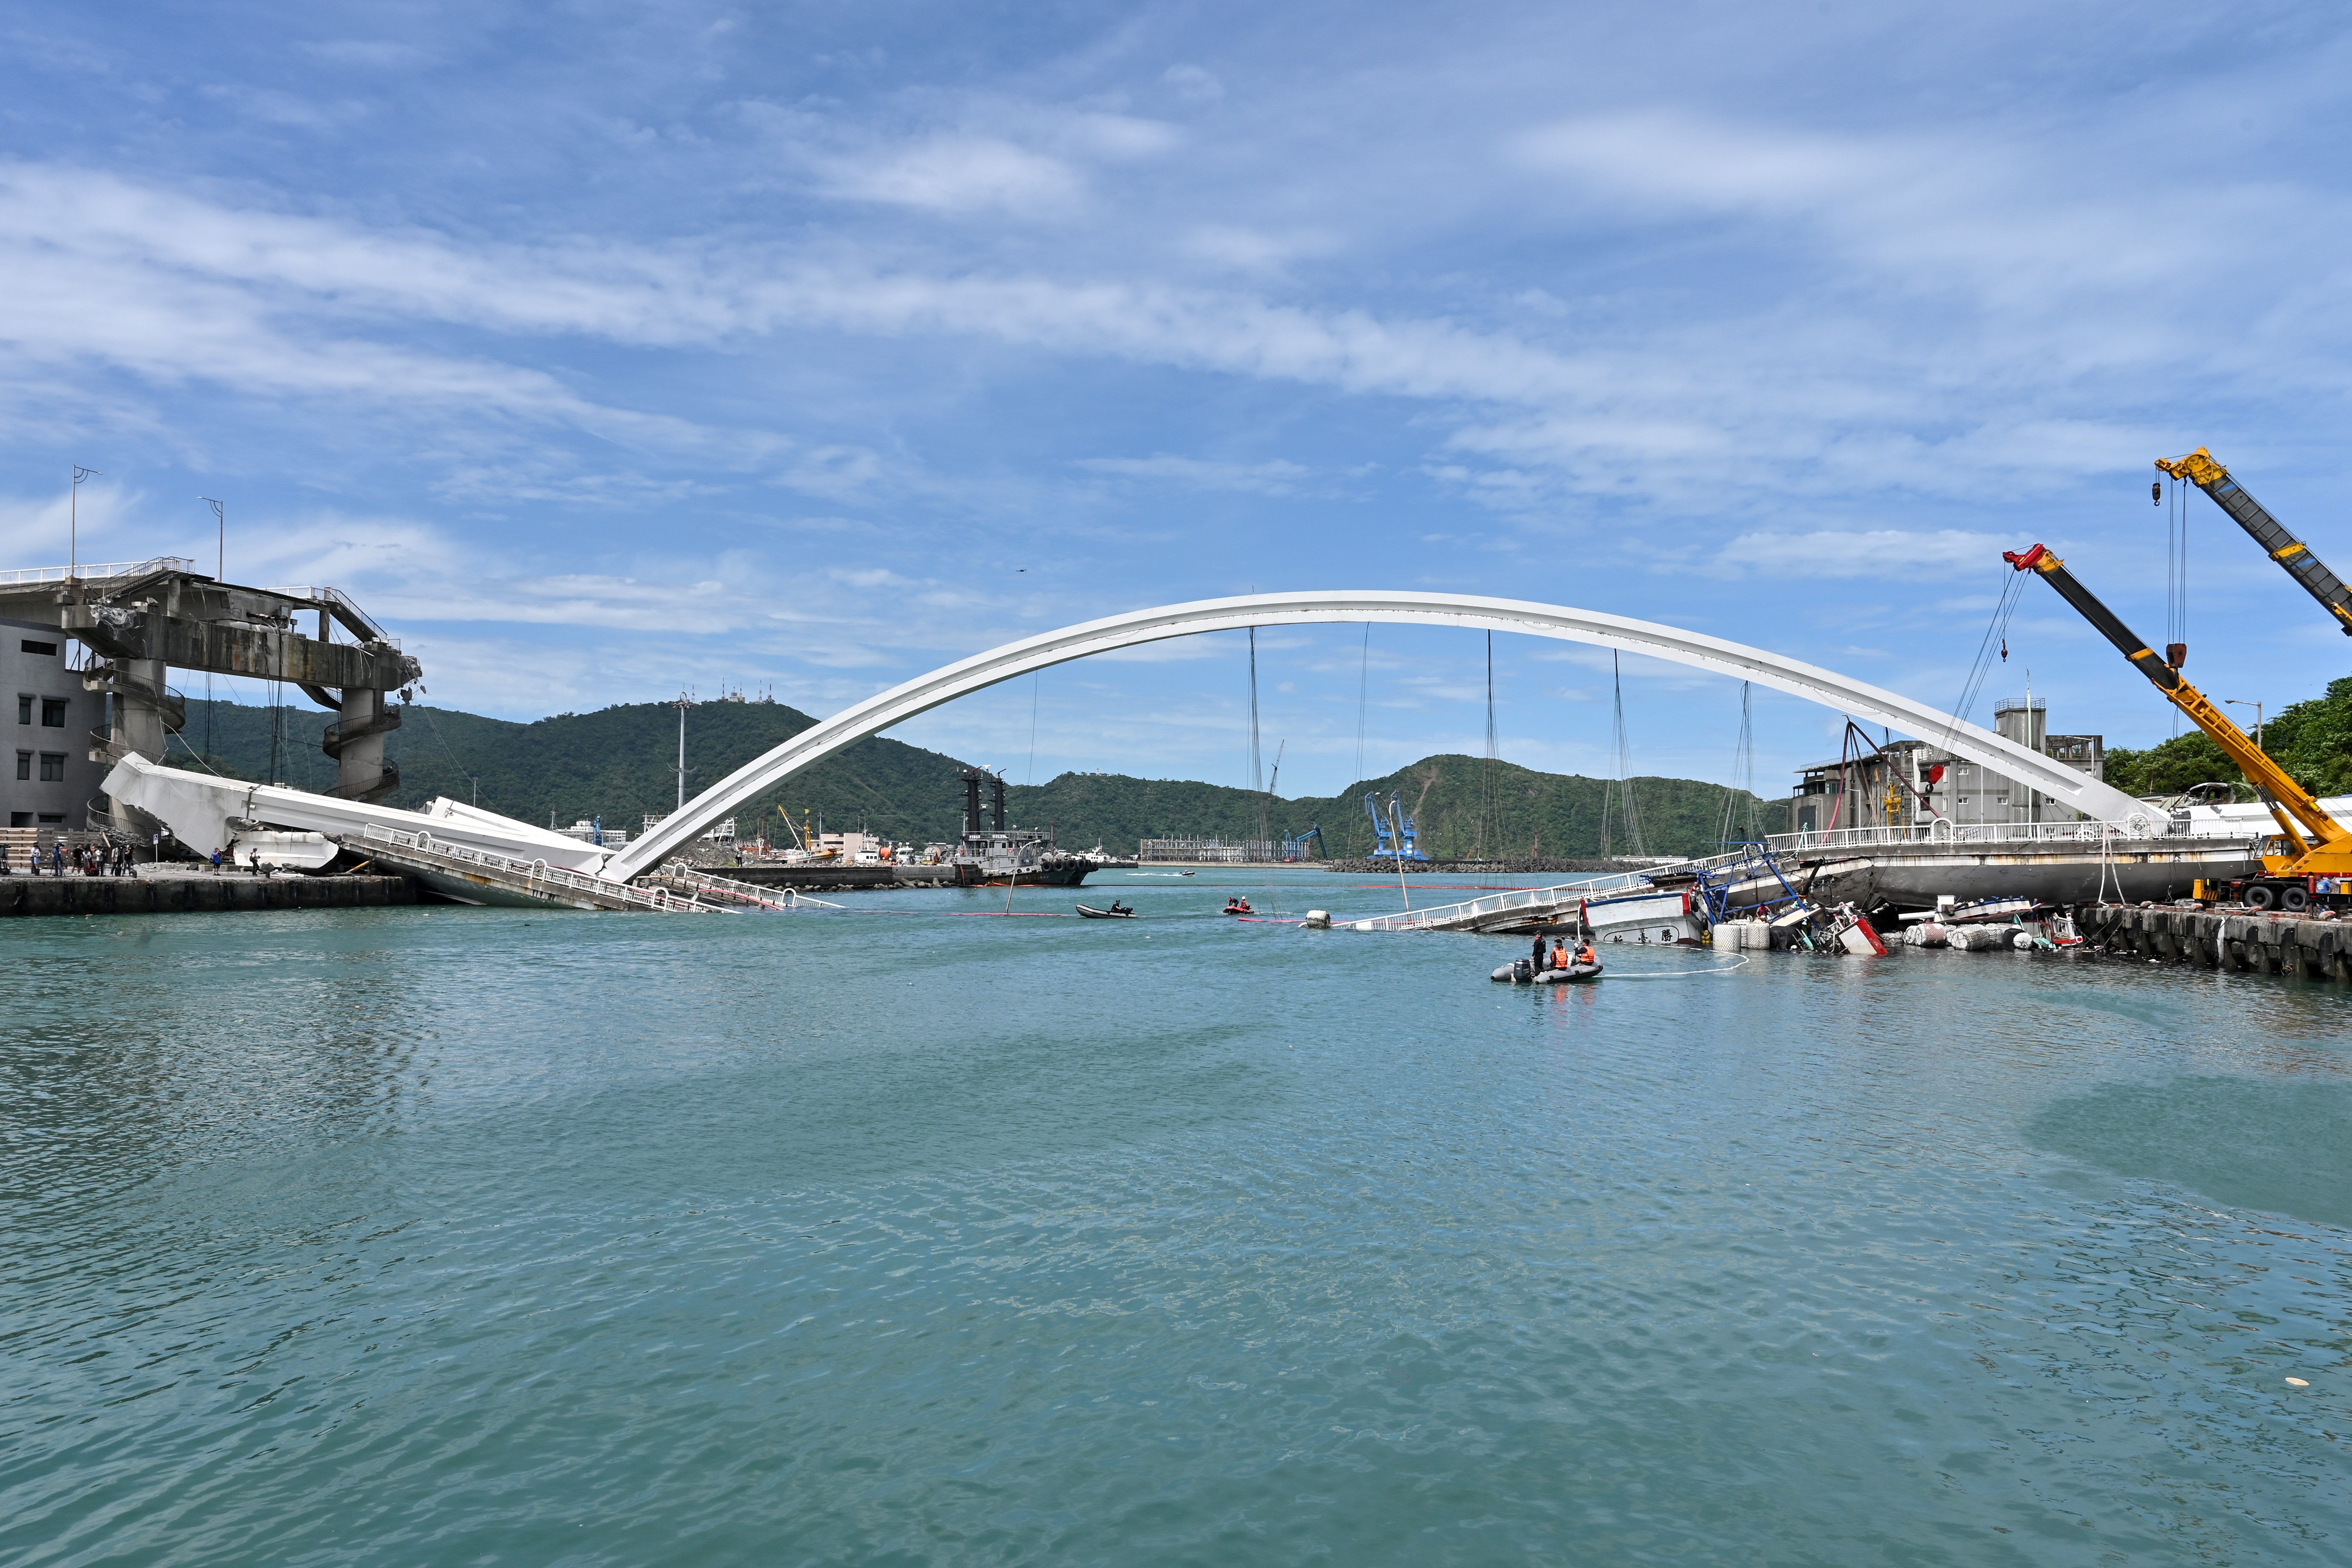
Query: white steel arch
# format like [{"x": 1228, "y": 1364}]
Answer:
[{"x": 1828, "y": 687}]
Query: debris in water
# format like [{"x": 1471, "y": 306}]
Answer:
[{"x": 2298, "y": 1383}]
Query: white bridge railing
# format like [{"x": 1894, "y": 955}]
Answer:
[
  {"x": 1533, "y": 900},
  {"x": 534, "y": 876},
  {"x": 1935, "y": 834},
  {"x": 89, "y": 569},
  {"x": 698, "y": 881}
]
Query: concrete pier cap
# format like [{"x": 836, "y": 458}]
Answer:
[{"x": 2098, "y": 801}]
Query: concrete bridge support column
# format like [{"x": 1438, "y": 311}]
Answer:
[
  {"x": 356, "y": 742},
  {"x": 139, "y": 721}
]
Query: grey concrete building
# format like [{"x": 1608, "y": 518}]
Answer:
[
  {"x": 1915, "y": 783},
  {"x": 47, "y": 776}
]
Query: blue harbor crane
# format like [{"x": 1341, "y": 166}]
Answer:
[
  {"x": 1295, "y": 848},
  {"x": 1402, "y": 843}
]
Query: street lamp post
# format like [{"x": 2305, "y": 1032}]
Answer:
[
  {"x": 220, "y": 515},
  {"x": 73, "y": 521},
  {"x": 2257, "y": 707}
]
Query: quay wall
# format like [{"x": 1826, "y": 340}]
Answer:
[
  {"x": 2263, "y": 944},
  {"x": 22, "y": 895}
]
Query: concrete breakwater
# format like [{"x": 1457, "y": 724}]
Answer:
[
  {"x": 2263, "y": 944},
  {"x": 71, "y": 895}
]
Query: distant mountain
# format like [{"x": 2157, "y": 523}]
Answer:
[
  {"x": 620, "y": 761},
  {"x": 1532, "y": 813}
]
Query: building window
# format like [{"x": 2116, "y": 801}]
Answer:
[
  {"x": 28, "y": 645},
  {"x": 47, "y": 817},
  {"x": 24, "y": 764},
  {"x": 53, "y": 767},
  {"x": 20, "y": 820},
  {"x": 24, "y": 709},
  {"x": 52, "y": 713}
]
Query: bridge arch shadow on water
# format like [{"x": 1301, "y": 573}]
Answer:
[{"x": 1379, "y": 607}]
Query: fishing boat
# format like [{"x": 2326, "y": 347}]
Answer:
[
  {"x": 1116, "y": 912},
  {"x": 1660, "y": 916},
  {"x": 1850, "y": 931}
]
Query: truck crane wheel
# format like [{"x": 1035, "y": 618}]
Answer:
[
  {"x": 2261, "y": 896},
  {"x": 2294, "y": 899}
]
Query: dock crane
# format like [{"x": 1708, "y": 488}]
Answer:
[
  {"x": 1397, "y": 842},
  {"x": 2319, "y": 847},
  {"x": 2200, "y": 469},
  {"x": 1295, "y": 849}
]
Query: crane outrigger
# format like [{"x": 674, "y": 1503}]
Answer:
[
  {"x": 2317, "y": 845},
  {"x": 2291, "y": 553}
]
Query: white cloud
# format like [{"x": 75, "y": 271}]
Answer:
[
  {"x": 1253, "y": 250},
  {"x": 1872, "y": 553},
  {"x": 1274, "y": 477},
  {"x": 958, "y": 174},
  {"x": 1194, "y": 84},
  {"x": 377, "y": 53},
  {"x": 1661, "y": 158}
]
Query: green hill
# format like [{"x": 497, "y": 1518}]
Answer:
[
  {"x": 620, "y": 762},
  {"x": 1534, "y": 813},
  {"x": 2312, "y": 740}
]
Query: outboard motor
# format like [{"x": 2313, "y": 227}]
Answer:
[{"x": 1523, "y": 972}]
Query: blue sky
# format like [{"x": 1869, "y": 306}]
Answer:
[{"x": 607, "y": 350}]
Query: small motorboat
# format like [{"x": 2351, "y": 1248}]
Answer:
[
  {"x": 1523, "y": 972},
  {"x": 1237, "y": 905},
  {"x": 1118, "y": 911}
]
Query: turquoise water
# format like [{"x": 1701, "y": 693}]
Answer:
[{"x": 455, "y": 1236}]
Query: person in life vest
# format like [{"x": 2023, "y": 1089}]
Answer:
[
  {"x": 1584, "y": 953},
  {"x": 1560, "y": 959}
]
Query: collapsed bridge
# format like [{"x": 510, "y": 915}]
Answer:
[
  {"x": 206, "y": 805},
  {"x": 139, "y": 621}
]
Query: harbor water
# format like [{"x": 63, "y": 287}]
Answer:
[{"x": 435, "y": 1235}]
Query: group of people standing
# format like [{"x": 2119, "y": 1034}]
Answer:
[
  {"x": 109, "y": 859},
  {"x": 1559, "y": 957}
]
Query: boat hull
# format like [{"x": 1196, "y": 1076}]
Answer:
[{"x": 1663, "y": 917}]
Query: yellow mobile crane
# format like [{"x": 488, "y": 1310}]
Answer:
[
  {"x": 2319, "y": 847},
  {"x": 2200, "y": 469}
]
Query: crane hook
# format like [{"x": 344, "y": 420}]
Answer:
[{"x": 2155, "y": 493}]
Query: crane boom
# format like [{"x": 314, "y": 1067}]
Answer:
[
  {"x": 2282, "y": 546},
  {"x": 2323, "y": 846}
]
